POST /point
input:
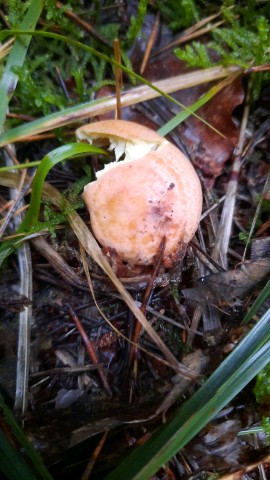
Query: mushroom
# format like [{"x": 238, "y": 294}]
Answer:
[{"x": 150, "y": 192}]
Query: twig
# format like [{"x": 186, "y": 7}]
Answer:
[
  {"x": 246, "y": 469},
  {"x": 62, "y": 83},
  {"x": 58, "y": 263},
  {"x": 226, "y": 221},
  {"x": 192, "y": 32},
  {"x": 17, "y": 200},
  {"x": 150, "y": 43},
  {"x": 266, "y": 188},
  {"x": 118, "y": 78},
  {"x": 84, "y": 25},
  {"x": 62, "y": 370},
  {"x": 91, "y": 350},
  {"x": 130, "y": 97},
  {"x": 133, "y": 350},
  {"x": 25, "y": 316},
  {"x": 94, "y": 457}
]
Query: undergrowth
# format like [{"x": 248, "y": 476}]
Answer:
[
  {"x": 39, "y": 90},
  {"x": 242, "y": 40}
]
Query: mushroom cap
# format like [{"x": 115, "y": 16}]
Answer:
[
  {"x": 119, "y": 129},
  {"x": 136, "y": 204}
]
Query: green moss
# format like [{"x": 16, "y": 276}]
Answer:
[
  {"x": 265, "y": 422},
  {"x": 195, "y": 55},
  {"x": 136, "y": 22},
  {"x": 243, "y": 40},
  {"x": 262, "y": 386},
  {"x": 16, "y": 11},
  {"x": 39, "y": 90},
  {"x": 179, "y": 13}
]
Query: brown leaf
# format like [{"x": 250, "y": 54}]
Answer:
[
  {"x": 226, "y": 287},
  {"x": 13, "y": 302},
  {"x": 208, "y": 150}
]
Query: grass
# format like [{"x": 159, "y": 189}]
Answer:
[{"x": 252, "y": 354}]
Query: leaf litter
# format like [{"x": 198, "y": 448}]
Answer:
[{"x": 75, "y": 405}]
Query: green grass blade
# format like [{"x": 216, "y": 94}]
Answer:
[
  {"x": 264, "y": 295},
  {"x": 36, "y": 461},
  {"x": 182, "y": 116},
  {"x": 17, "y": 57},
  {"x": 12, "y": 464},
  {"x": 20, "y": 166},
  {"x": 70, "y": 151},
  {"x": 66, "y": 152},
  {"x": 50, "y": 122},
  {"x": 240, "y": 368},
  {"x": 75, "y": 43}
]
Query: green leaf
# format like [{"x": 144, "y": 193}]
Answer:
[
  {"x": 264, "y": 295},
  {"x": 11, "y": 463},
  {"x": 262, "y": 386}
]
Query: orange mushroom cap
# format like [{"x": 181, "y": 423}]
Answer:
[{"x": 153, "y": 193}]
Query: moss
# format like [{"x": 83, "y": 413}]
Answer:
[
  {"x": 179, "y": 13},
  {"x": 136, "y": 22},
  {"x": 262, "y": 386},
  {"x": 265, "y": 422},
  {"x": 243, "y": 40}
]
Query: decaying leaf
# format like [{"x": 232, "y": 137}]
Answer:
[
  {"x": 13, "y": 302},
  {"x": 225, "y": 288}
]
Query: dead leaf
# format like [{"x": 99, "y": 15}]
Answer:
[
  {"x": 13, "y": 302},
  {"x": 225, "y": 288}
]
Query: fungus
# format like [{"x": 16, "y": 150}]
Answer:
[{"x": 150, "y": 192}]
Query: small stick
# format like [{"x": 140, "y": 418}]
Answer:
[
  {"x": 190, "y": 33},
  {"x": 258, "y": 68},
  {"x": 220, "y": 251},
  {"x": 21, "y": 116},
  {"x": 62, "y": 82},
  {"x": 84, "y": 25},
  {"x": 94, "y": 457},
  {"x": 118, "y": 78},
  {"x": 133, "y": 350},
  {"x": 62, "y": 370},
  {"x": 150, "y": 43},
  {"x": 21, "y": 191},
  {"x": 91, "y": 350}
]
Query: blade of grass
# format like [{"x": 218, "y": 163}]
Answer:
[
  {"x": 75, "y": 43},
  {"x": 264, "y": 295},
  {"x": 107, "y": 104},
  {"x": 70, "y": 151},
  {"x": 20, "y": 166},
  {"x": 65, "y": 152},
  {"x": 12, "y": 464},
  {"x": 240, "y": 368},
  {"x": 17, "y": 57},
  {"x": 182, "y": 116},
  {"x": 36, "y": 461}
]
